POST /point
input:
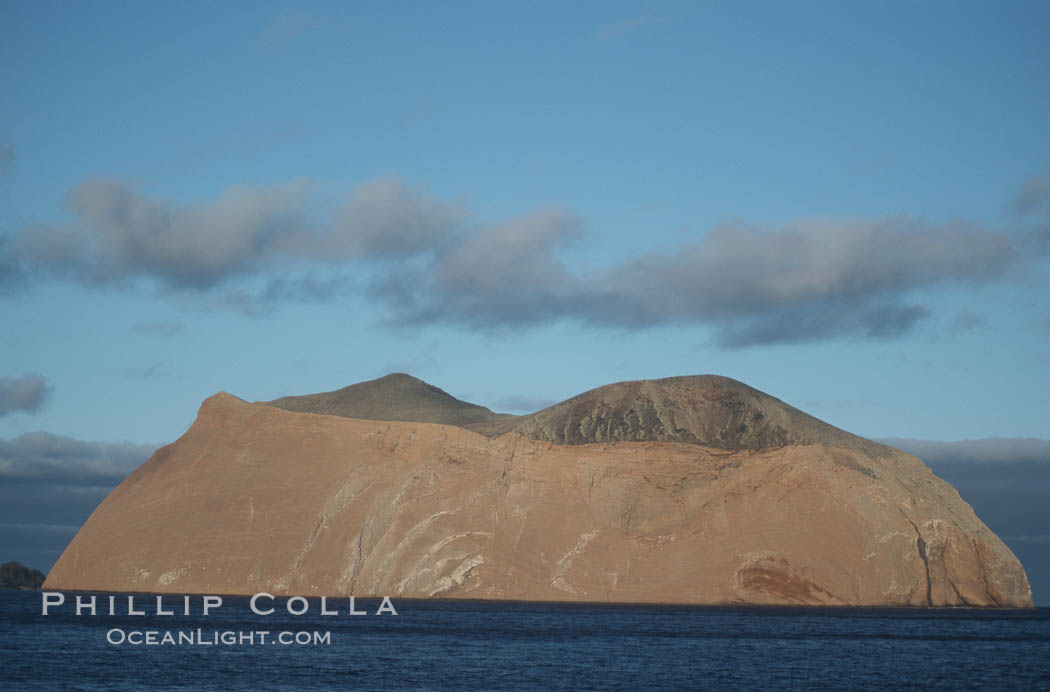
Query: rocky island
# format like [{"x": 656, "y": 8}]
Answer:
[
  {"x": 683, "y": 490},
  {"x": 15, "y": 575}
]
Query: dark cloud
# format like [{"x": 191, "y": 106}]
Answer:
[
  {"x": 49, "y": 485},
  {"x": 990, "y": 450},
  {"x": 1007, "y": 482},
  {"x": 27, "y": 393},
  {"x": 413, "y": 253},
  {"x": 808, "y": 280},
  {"x": 40, "y": 457},
  {"x": 821, "y": 320}
]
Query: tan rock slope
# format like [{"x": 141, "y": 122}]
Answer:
[{"x": 686, "y": 490}]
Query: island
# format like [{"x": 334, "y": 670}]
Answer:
[{"x": 696, "y": 489}]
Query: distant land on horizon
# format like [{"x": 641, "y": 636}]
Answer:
[{"x": 14, "y": 575}]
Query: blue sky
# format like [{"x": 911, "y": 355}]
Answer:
[
  {"x": 636, "y": 129},
  {"x": 846, "y": 205}
]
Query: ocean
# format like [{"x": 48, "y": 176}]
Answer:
[{"x": 450, "y": 645}]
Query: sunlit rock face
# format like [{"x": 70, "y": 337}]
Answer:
[{"x": 686, "y": 490}]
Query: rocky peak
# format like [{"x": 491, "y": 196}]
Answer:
[
  {"x": 394, "y": 397},
  {"x": 707, "y": 410}
]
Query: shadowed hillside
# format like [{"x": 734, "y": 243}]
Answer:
[
  {"x": 394, "y": 397},
  {"x": 707, "y": 410}
]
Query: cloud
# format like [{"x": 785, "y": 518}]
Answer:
[
  {"x": 499, "y": 275},
  {"x": 814, "y": 322},
  {"x": 740, "y": 270},
  {"x": 385, "y": 219},
  {"x": 992, "y": 450},
  {"x": 425, "y": 261},
  {"x": 27, "y": 393},
  {"x": 50, "y": 484},
  {"x": 41, "y": 457},
  {"x": 120, "y": 234},
  {"x": 807, "y": 280}
]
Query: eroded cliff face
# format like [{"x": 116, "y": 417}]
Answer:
[{"x": 253, "y": 498}]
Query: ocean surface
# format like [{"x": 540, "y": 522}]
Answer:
[{"x": 438, "y": 645}]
